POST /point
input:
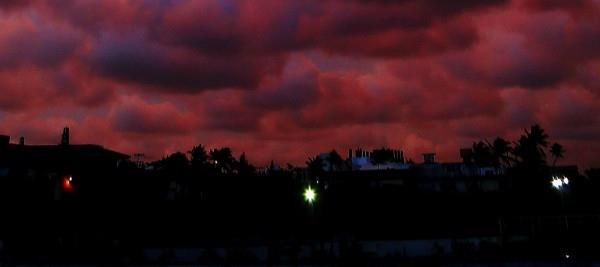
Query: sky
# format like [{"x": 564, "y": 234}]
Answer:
[{"x": 287, "y": 79}]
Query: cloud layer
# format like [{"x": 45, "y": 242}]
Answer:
[{"x": 286, "y": 79}]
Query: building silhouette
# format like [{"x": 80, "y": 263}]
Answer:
[{"x": 55, "y": 166}]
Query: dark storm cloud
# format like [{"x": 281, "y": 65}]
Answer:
[
  {"x": 393, "y": 28},
  {"x": 137, "y": 116},
  {"x": 294, "y": 93},
  {"x": 531, "y": 74},
  {"x": 230, "y": 114},
  {"x": 136, "y": 60},
  {"x": 540, "y": 50},
  {"x": 36, "y": 44},
  {"x": 422, "y": 75},
  {"x": 442, "y": 7},
  {"x": 195, "y": 46},
  {"x": 558, "y": 4},
  {"x": 206, "y": 27},
  {"x": 14, "y": 4}
]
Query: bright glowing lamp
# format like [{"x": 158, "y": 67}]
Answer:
[
  {"x": 557, "y": 183},
  {"x": 67, "y": 184},
  {"x": 310, "y": 195}
]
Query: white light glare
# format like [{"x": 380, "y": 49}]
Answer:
[
  {"x": 310, "y": 195},
  {"x": 557, "y": 183}
]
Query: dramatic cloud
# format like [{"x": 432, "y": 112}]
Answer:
[
  {"x": 286, "y": 79},
  {"x": 13, "y": 4},
  {"x": 133, "y": 59},
  {"x": 25, "y": 41},
  {"x": 136, "y": 116}
]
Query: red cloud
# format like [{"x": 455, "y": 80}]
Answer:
[
  {"x": 304, "y": 77},
  {"x": 10, "y": 5},
  {"x": 133, "y": 115}
]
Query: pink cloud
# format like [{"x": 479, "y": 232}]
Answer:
[{"x": 305, "y": 77}]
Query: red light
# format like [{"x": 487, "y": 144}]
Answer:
[{"x": 67, "y": 183}]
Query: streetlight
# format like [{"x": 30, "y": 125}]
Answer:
[
  {"x": 559, "y": 182},
  {"x": 310, "y": 195}
]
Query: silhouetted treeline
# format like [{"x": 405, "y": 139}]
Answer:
[{"x": 216, "y": 198}]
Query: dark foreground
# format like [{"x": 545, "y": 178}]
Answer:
[
  {"x": 198, "y": 234},
  {"x": 355, "y": 220}
]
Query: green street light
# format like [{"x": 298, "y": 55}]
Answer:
[{"x": 310, "y": 195}]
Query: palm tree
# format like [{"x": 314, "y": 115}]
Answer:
[
  {"x": 537, "y": 134},
  {"x": 557, "y": 152},
  {"x": 501, "y": 151},
  {"x": 530, "y": 147}
]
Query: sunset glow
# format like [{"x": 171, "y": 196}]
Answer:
[{"x": 282, "y": 80}]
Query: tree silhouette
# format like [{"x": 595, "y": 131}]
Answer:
[
  {"x": 272, "y": 166},
  {"x": 557, "y": 151},
  {"x": 538, "y": 135},
  {"x": 244, "y": 167},
  {"x": 530, "y": 148},
  {"x": 335, "y": 161},
  {"x": 501, "y": 150},
  {"x": 198, "y": 155},
  {"x": 223, "y": 159},
  {"x": 175, "y": 163},
  {"x": 315, "y": 165},
  {"x": 290, "y": 167},
  {"x": 243, "y": 161}
]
